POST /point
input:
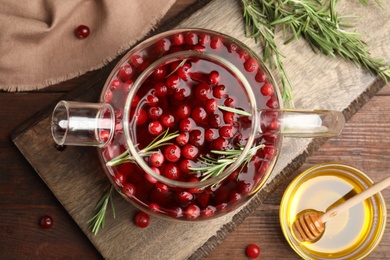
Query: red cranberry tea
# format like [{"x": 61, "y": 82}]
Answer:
[{"x": 187, "y": 99}]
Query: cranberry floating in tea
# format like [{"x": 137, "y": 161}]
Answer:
[{"x": 189, "y": 124}]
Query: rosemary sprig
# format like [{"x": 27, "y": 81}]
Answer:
[
  {"x": 212, "y": 167},
  {"x": 318, "y": 23},
  {"x": 98, "y": 220},
  {"x": 235, "y": 110},
  {"x": 160, "y": 140}
]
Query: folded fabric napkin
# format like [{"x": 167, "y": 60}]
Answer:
[{"x": 38, "y": 45}]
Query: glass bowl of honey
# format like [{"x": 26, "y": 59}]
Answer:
[{"x": 353, "y": 234}]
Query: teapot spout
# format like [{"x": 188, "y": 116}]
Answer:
[{"x": 82, "y": 124}]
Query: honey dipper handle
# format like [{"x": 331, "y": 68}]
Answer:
[{"x": 377, "y": 187}]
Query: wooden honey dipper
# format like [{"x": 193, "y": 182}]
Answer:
[{"x": 310, "y": 224}]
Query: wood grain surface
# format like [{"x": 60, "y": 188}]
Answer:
[{"x": 24, "y": 197}]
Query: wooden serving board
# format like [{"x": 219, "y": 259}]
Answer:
[{"x": 320, "y": 82}]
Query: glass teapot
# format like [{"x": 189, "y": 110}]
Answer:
[{"x": 189, "y": 124}]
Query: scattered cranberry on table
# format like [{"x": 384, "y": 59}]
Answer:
[
  {"x": 252, "y": 251},
  {"x": 60, "y": 147},
  {"x": 82, "y": 31},
  {"x": 142, "y": 219},
  {"x": 46, "y": 221}
]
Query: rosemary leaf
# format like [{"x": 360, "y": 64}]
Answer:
[{"x": 97, "y": 222}]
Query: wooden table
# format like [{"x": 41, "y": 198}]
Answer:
[{"x": 24, "y": 197}]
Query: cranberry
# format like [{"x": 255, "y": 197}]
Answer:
[
  {"x": 196, "y": 138},
  {"x": 159, "y": 73},
  {"x": 156, "y": 159},
  {"x": 127, "y": 85},
  {"x": 136, "y": 60},
  {"x": 232, "y": 47},
  {"x": 150, "y": 178},
  {"x": 215, "y": 120},
  {"x": 229, "y": 117},
  {"x": 204, "y": 38},
  {"x": 192, "y": 211},
  {"x": 185, "y": 197},
  {"x": 211, "y": 134},
  {"x": 185, "y": 165},
  {"x": 155, "y": 128},
  {"x": 243, "y": 54},
  {"x": 161, "y": 187},
  {"x": 234, "y": 196},
  {"x": 46, "y": 221},
  {"x": 176, "y": 213},
  {"x": 163, "y": 45},
  {"x": 183, "y": 70},
  {"x": 213, "y": 78},
  {"x": 203, "y": 199},
  {"x": 178, "y": 39},
  {"x": 274, "y": 125},
  {"x": 198, "y": 48},
  {"x": 261, "y": 76},
  {"x": 230, "y": 102},
  {"x": 82, "y": 31},
  {"x": 189, "y": 151},
  {"x": 199, "y": 115},
  {"x": 115, "y": 84},
  {"x": 203, "y": 92},
  {"x": 252, "y": 251},
  {"x": 267, "y": 89},
  {"x": 154, "y": 207},
  {"x": 108, "y": 96},
  {"x": 216, "y": 42},
  {"x": 60, "y": 147},
  {"x": 272, "y": 102},
  {"x": 151, "y": 100},
  {"x": 129, "y": 190},
  {"x": 211, "y": 105},
  {"x": 172, "y": 81},
  {"x": 191, "y": 38},
  {"x": 187, "y": 125},
  {"x": 135, "y": 101},
  {"x": 227, "y": 131},
  {"x": 172, "y": 153},
  {"x": 182, "y": 138},
  {"x": 155, "y": 112},
  {"x": 219, "y": 144},
  {"x": 171, "y": 171},
  {"x": 125, "y": 73},
  {"x": 269, "y": 152},
  {"x": 219, "y": 91},
  {"x": 209, "y": 211},
  {"x": 167, "y": 120},
  {"x": 183, "y": 111},
  {"x": 160, "y": 90},
  {"x": 141, "y": 116},
  {"x": 142, "y": 219}
]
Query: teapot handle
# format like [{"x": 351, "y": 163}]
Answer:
[
  {"x": 301, "y": 123},
  {"x": 83, "y": 124}
]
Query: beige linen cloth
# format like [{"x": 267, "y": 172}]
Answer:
[{"x": 38, "y": 46}]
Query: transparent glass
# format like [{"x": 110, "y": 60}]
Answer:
[
  {"x": 261, "y": 121},
  {"x": 83, "y": 124}
]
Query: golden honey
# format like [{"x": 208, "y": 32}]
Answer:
[{"x": 352, "y": 234}]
